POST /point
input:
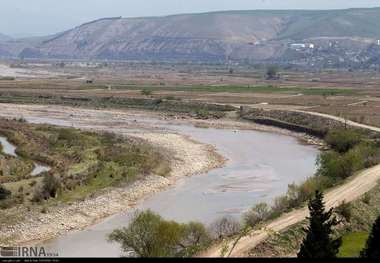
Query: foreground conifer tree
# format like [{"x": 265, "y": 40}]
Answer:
[
  {"x": 318, "y": 242},
  {"x": 372, "y": 248}
]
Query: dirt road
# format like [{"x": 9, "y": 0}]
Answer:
[
  {"x": 351, "y": 190},
  {"x": 348, "y": 122}
]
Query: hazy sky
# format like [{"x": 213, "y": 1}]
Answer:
[{"x": 42, "y": 17}]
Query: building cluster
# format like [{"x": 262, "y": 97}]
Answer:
[{"x": 301, "y": 46}]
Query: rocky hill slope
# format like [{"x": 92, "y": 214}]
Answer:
[{"x": 238, "y": 35}]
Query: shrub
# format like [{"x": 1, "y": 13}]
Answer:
[
  {"x": 49, "y": 188},
  {"x": 257, "y": 214},
  {"x": 329, "y": 164},
  {"x": 344, "y": 210},
  {"x": 68, "y": 136},
  {"x": 224, "y": 227},
  {"x": 339, "y": 166},
  {"x": 7, "y": 78},
  {"x": 171, "y": 98},
  {"x": 272, "y": 73},
  {"x": 202, "y": 114},
  {"x": 367, "y": 198},
  {"x": 32, "y": 183},
  {"x": 195, "y": 239},
  {"x": 51, "y": 185},
  {"x": 369, "y": 154},
  {"x": 307, "y": 189},
  {"x": 342, "y": 140},
  {"x": 146, "y": 92},
  {"x": 149, "y": 235},
  {"x": 4, "y": 193}
]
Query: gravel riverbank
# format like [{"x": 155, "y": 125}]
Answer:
[{"x": 188, "y": 158}]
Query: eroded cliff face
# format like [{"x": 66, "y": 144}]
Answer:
[{"x": 195, "y": 37}]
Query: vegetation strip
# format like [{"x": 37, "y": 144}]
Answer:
[
  {"x": 351, "y": 151},
  {"x": 196, "y": 109}
]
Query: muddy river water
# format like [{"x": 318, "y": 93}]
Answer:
[{"x": 259, "y": 168}]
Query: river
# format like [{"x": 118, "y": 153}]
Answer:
[
  {"x": 259, "y": 168},
  {"x": 10, "y": 149}
]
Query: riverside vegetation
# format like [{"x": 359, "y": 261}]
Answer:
[
  {"x": 350, "y": 151},
  {"x": 149, "y": 235},
  {"x": 193, "y": 108},
  {"x": 82, "y": 164}
]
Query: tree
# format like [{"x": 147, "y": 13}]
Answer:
[
  {"x": 342, "y": 140},
  {"x": 339, "y": 166},
  {"x": 257, "y": 214},
  {"x": 149, "y": 235},
  {"x": 51, "y": 185},
  {"x": 225, "y": 227},
  {"x": 272, "y": 73},
  {"x": 318, "y": 242},
  {"x": 372, "y": 248},
  {"x": 195, "y": 239},
  {"x": 4, "y": 193},
  {"x": 48, "y": 189}
]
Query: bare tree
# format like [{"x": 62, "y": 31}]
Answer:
[{"x": 225, "y": 227}]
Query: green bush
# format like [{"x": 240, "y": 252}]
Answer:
[
  {"x": 257, "y": 214},
  {"x": 171, "y": 98},
  {"x": 367, "y": 198},
  {"x": 344, "y": 210},
  {"x": 146, "y": 92},
  {"x": 339, "y": 166},
  {"x": 369, "y": 153},
  {"x": 4, "y": 193},
  {"x": 347, "y": 157},
  {"x": 49, "y": 188},
  {"x": 149, "y": 235},
  {"x": 202, "y": 114},
  {"x": 272, "y": 72},
  {"x": 342, "y": 140},
  {"x": 7, "y": 78}
]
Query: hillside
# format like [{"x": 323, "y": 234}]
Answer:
[
  {"x": 253, "y": 35},
  {"x": 4, "y": 37}
]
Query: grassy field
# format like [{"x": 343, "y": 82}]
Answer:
[{"x": 352, "y": 244}]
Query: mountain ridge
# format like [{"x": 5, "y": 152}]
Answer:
[{"x": 255, "y": 35}]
